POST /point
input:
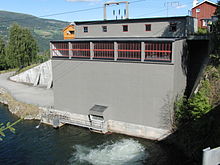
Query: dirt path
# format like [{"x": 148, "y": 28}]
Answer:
[{"x": 27, "y": 94}]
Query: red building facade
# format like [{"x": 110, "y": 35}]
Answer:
[{"x": 204, "y": 12}]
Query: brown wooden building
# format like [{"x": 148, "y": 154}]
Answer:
[
  {"x": 69, "y": 32},
  {"x": 204, "y": 12}
]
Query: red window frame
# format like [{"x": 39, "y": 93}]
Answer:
[
  {"x": 123, "y": 26},
  {"x": 158, "y": 51}
]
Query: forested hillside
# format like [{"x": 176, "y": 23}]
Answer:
[{"x": 43, "y": 30}]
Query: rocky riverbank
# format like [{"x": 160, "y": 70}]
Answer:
[
  {"x": 33, "y": 112},
  {"x": 22, "y": 110}
]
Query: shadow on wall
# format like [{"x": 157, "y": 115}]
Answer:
[
  {"x": 194, "y": 56},
  {"x": 174, "y": 30},
  {"x": 198, "y": 53},
  {"x": 166, "y": 113},
  {"x": 185, "y": 58},
  {"x": 167, "y": 110}
]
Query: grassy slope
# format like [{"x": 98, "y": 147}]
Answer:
[
  {"x": 44, "y": 30},
  {"x": 197, "y": 135}
]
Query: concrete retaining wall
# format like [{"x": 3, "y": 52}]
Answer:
[
  {"x": 137, "y": 130},
  {"x": 40, "y": 75}
]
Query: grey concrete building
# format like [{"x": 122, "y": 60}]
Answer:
[
  {"x": 123, "y": 83},
  {"x": 145, "y": 27}
]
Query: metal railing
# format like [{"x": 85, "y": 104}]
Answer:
[{"x": 93, "y": 124}]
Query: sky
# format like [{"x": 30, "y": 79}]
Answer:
[{"x": 77, "y": 10}]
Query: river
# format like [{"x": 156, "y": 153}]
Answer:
[{"x": 70, "y": 145}]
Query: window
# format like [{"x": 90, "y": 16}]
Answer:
[
  {"x": 85, "y": 29},
  {"x": 71, "y": 32},
  {"x": 104, "y": 28},
  {"x": 197, "y": 10},
  {"x": 173, "y": 27},
  {"x": 158, "y": 51},
  {"x": 148, "y": 27},
  {"x": 125, "y": 28},
  {"x": 129, "y": 51},
  {"x": 204, "y": 22}
]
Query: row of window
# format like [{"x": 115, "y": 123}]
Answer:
[
  {"x": 154, "y": 51},
  {"x": 172, "y": 28}
]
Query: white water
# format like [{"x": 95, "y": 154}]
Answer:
[{"x": 123, "y": 152}]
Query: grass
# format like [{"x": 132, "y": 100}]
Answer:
[
  {"x": 43, "y": 33},
  {"x": 8, "y": 70},
  {"x": 17, "y": 70},
  {"x": 26, "y": 68},
  {"x": 212, "y": 75}
]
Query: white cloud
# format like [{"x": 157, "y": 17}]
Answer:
[
  {"x": 181, "y": 6},
  {"x": 82, "y": 0}
]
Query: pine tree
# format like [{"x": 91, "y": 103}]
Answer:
[
  {"x": 22, "y": 47},
  {"x": 3, "y": 64}
]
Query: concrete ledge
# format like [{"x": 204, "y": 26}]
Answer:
[
  {"x": 49, "y": 114},
  {"x": 108, "y": 126},
  {"x": 137, "y": 130}
]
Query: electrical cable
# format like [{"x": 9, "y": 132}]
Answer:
[{"x": 68, "y": 12}]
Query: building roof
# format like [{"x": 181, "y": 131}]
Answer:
[
  {"x": 130, "y": 20},
  {"x": 97, "y": 110},
  {"x": 67, "y": 27},
  {"x": 206, "y": 1},
  {"x": 119, "y": 39}
]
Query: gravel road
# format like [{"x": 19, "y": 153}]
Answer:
[{"x": 28, "y": 94}]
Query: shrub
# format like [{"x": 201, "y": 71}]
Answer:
[
  {"x": 199, "y": 105},
  {"x": 202, "y": 31},
  {"x": 194, "y": 108}
]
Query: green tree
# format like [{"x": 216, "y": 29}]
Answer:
[
  {"x": 22, "y": 47},
  {"x": 42, "y": 57},
  {"x": 3, "y": 64}
]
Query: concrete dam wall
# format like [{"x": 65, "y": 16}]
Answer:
[{"x": 40, "y": 75}]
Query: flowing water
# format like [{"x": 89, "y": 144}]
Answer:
[{"x": 40, "y": 144}]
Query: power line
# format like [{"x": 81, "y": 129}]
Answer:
[
  {"x": 68, "y": 12},
  {"x": 158, "y": 11}
]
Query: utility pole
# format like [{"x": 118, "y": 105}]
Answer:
[
  {"x": 116, "y": 3},
  {"x": 168, "y": 4}
]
